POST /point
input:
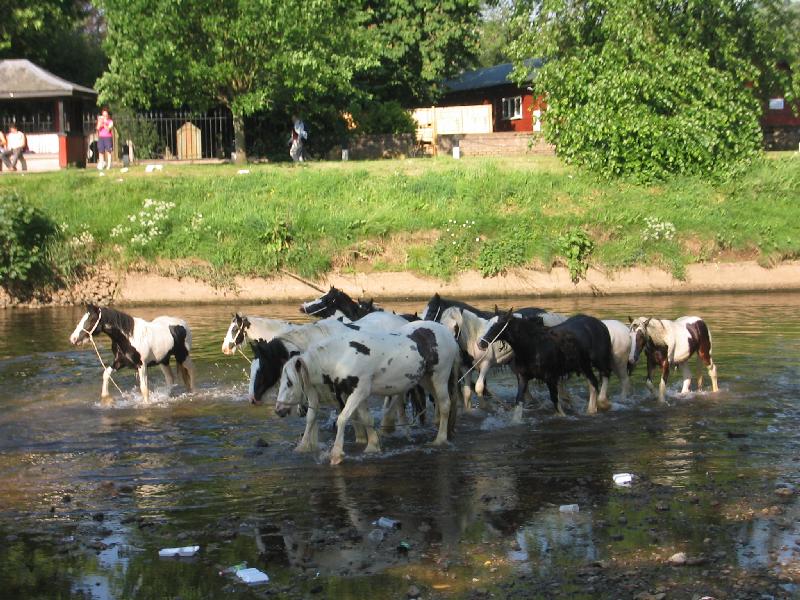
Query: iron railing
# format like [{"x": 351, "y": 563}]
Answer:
[{"x": 180, "y": 135}]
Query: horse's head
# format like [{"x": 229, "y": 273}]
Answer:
[
  {"x": 326, "y": 305},
  {"x": 453, "y": 319},
  {"x": 638, "y": 333},
  {"x": 364, "y": 307},
  {"x": 433, "y": 309},
  {"x": 294, "y": 380},
  {"x": 235, "y": 335},
  {"x": 265, "y": 371},
  {"x": 495, "y": 327},
  {"x": 87, "y": 326}
]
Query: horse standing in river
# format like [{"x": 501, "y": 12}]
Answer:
[
  {"x": 667, "y": 343},
  {"x": 139, "y": 344},
  {"x": 437, "y": 305},
  {"x": 552, "y": 353}
]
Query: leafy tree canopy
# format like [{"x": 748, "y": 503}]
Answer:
[
  {"x": 247, "y": 55},
  {"x": 651, "y": 88},
  {"x": 61, "y": 36},
  {"x": 420, "y": 42}
]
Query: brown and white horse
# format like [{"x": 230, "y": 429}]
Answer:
[{"x": 667, "y": 343}]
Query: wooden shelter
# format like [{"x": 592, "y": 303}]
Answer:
[{"x": 48, "y": 109}]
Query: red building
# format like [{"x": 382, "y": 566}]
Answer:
[
  {"x": 781, "y": 125},
  {"x": 513, "y": 106}
]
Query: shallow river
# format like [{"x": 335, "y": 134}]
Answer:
[{"x": 88, "y": 494}]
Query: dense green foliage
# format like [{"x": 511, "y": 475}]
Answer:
[
  {"x": 651, "y": 88},
  {"x": 245, "y": 56},
  {"x": 59, "y": 35},
  {"x": 437, "y": 217},
  {"x": 24, "y": 234},
  {"x": 420, "y": 43}
]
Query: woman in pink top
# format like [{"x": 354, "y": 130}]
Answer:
[{"x": 105, "y": 138}]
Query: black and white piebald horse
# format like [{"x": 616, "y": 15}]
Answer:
[
  {"x": 552, "y": 353},
  {"x": 672, "y": 343},
  {"x": 138, "y": 344},
  {"x": 244, "y": 328},
  {"x": 335, "y": 303},
  {"x": 358, "y": 365},
  {"x": 437, "y": 305}
]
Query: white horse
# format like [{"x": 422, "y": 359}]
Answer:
[
  {"x": 621, "y": 341},
  {"x": 358, "y": 365},
  {"x": 252, "y": 329},
  {"x": 138, "y": 344},
  {"x": 667, "y": 343},
  {"x": 467, "y": 328}
]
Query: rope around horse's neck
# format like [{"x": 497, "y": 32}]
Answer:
[
  {"x": 96, "y": 351},
  {"x": 239, "y": 348}
]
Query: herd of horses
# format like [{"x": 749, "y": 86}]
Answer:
[{"x": 356, "y": 350}]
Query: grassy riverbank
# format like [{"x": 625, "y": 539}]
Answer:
[{"x": 435, "y": 217}]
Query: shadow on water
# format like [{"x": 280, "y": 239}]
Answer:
[{"x": 90, "y": 493}]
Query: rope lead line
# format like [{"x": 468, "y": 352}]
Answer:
[{"x": 96, "y": 351}]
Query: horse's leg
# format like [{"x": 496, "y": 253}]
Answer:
[
  {"x": 143, "y": 383},
  {"x": 439, "y": 388},
  {"x": 169, "y": 378},
  {"x": 358, "y": 396},
  {"x": 305, "y": 444},
  {"x": 389, "y": 414},
  {"x": 651, "y": 365},
  {"x": 602, "y": 400},
  {"x": 586, "y": 367},
  {"x": 481, "y": 388},
  {"x": 662, "y": 386},
  {"x": 187, "y": 373},
  {"x": 552, "y": 387},
  {"x": 705, "y": 355},
  {"x": 371, "y": 440},
  {"x": 105, "y": 396},
  {"x": 621, "y": 370},
  {"x": 519, "y": 400},
  {"x": 687, "y": 377}
]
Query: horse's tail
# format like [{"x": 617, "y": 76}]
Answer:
[{"x": 453, "y": 387}]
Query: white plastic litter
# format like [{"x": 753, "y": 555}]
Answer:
[
  {"x": 388, "y": 523},
  {"x": 252, "y": 575},
  {"x": 185, "y": 551},
  {"x": 569, "y": 508},
  {"x": 123, "y": 170},
  {"x": 151, "y": 168},
  {"x": 243, "y": 172},
  {"x": 623, "y": 479}
]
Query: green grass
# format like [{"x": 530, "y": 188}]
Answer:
[{"x": 436, "y": 217}]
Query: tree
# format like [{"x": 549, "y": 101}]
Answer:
[
  {"x": 247, "y": 55},
  {"x": 420, "y": 43},
  {"x": 652, "y": 88},
  {"x": 496, "y": 32},
  {"x": 58, "y": 35}
]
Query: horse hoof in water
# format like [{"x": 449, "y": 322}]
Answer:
[
  {"x": 604, "y": 406},
  {"x": 337, "y": 458},
  {"x": 517, "y": 416},
  {"x": 106, "y": 400},
  {"x": 372, "y": 450},
  {"x": 439, "y": 443}
]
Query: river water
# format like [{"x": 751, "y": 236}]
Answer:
[{"x": 88, "y": 494}]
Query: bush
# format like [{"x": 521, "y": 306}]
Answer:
[
  {"x": 24, "y": 235},
  {"x": 383, "y": 117}
]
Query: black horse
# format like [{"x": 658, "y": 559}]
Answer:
[{"x": 552, "y": 353}]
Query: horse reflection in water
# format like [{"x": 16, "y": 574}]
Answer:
[{"x": 138, "y": 344}]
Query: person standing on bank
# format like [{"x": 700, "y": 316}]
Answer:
[
  {"x": 299, "y": 135},
  {"x": 105, "y": 139}
]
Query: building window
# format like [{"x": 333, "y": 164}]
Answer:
[
  {"x": 776, "y": 104},
  {"x": 512, "y": 107}
]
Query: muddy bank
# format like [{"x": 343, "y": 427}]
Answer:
[
  {"x": 141, "y": 288},
  {"x": 743, "y": 276}
]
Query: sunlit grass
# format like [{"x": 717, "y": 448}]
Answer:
[{"x": 314, "y": 217}]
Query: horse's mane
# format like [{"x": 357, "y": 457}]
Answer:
[{"x": 116, "y": 319}]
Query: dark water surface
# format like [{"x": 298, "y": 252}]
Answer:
[{"x": 89, "y": 494}]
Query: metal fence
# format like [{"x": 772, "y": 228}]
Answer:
[
  {"x": 32, "y": 122},
  {"x": 178, "y": 135}
]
